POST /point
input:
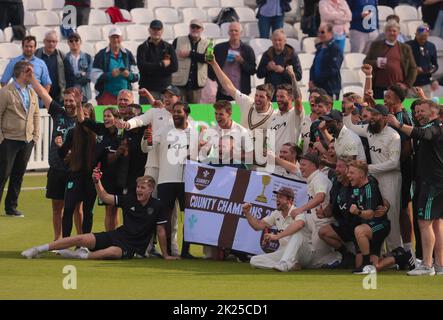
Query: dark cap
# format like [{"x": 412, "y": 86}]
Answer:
[
  {"x": 312, "y": 157},
  {"x": 172, "y": 89},
  {"x": 285, "y": 191},
  {"x": 74, "y": 35},
  {"x": 156, "y": 24},
  {"x": 379, "y": 108},
  {"x": 399, "y": 91},
  {"x": 333, "y": 115}
]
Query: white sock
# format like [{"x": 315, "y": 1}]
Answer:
[
  {"x": 43, "y": 248},
  {"x": 407, "y": 246}
]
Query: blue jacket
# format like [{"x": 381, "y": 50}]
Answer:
[
  {"x": 285, "y": 6},
  {"x": 329, "y": 79},
  {"x": 357, "y": 7},
  {"x": 426, "y": 59},
  {"x": 82, "y": 80},
  {"x": 101, "y": 62}
]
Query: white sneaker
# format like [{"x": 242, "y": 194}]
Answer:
[
  {"x": 281, "y": 266},
  {"x": 422, "y": 270},
  {"x": 438, "y": 270},
  {"x": 31, "y": 253},
  {"x": 70, "y": 254}
]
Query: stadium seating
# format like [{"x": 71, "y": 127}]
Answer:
[
  {"x": 246, "y": 14},
  {"x": 53, "y": 4},
  {"x": 167, "y": 15},
  {"x": 40, "y": 31},
  {"x": 294, "y": 43},
  {"x": 137, "y": 32},
  {"x": 9, "y": 50},
  {"x": 181, "y": 29},
  {"x": 231, "y": 3},
  {"x": 33, "y": 5},
  {"x": 142, "y": 15},
  {"x": 98, "y": 17},
  {"x": 350, "y": 78},
  {"x": 102, "y": 4},
  {"x": 180, "y": 4},
  {"x": 306, "y": 60},
  {"x": 193, "y": 13},
  {"x": 250, "y": 30},
  {"x": 383, "y": 12},
  {"x": 30, "y": 19},
  {"x": 353, "y": 60},
  {"x": 3, "y": 64},
  {"x": 406, "y": 13},
  {"x": 207, "y": 3},
  {"x": 2, "y": 36},
  {"x": 211, "y": 30},
  {"x": 47, "y": 18},
  {"x": 260, "y": 45},
  {"x": 157, "y": 4},
  {"x": 308, "y": 45},
  {"x": 90, "y": 33}
]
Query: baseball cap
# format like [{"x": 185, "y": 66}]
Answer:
[
  {"x": 196, "y": 22},
  {"x": 156, "y": 24},
  {"x": 172, "y": 89},
  {"x": 115, "y": 32},
  {"x": 379, "y": 108},
  {"x": 312, "y": 157},
  {"x": 333, "y": 115},
  {"x": 285, "y": 191}
]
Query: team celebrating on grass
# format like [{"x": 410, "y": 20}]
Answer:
[{"x": 361, "y": 163}]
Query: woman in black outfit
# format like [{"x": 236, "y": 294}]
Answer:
[
  {"x": 78, "y": 152},
  {"x": 110, "y": 155}
]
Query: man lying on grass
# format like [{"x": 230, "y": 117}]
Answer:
[{"x": 141, "y": 214}]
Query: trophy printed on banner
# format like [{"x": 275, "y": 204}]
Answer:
[{"x": 265, "y": 180}]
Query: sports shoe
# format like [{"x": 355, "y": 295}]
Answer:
[
  {"x": 367, "y": 269},
  {"x": 70, "y": 254},
  {"x": 14, "y": 214},
  {"x": 438, "y": 270},
  {"x": 31, "y": 253},
  {"x": 422, "y": 270},
  {"x": 281, "y": 266}
]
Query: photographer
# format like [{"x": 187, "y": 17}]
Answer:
[{"x": 112, "y": 68}]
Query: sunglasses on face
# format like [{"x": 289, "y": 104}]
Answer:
[
  {"x": 421, "y": 30},
  {"x": 322, "y": 32},
  {"x": 194, "y": 26},
  {"x": 74, "y": 40}
]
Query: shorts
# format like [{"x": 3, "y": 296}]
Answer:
[
  {"x": 344, "y": 231},
  {"x": 430, "y": 202},
  {"x": 104, "y": 240},
  {"x": 56, "y": 184},
  {"x": 380, "y": 231}
]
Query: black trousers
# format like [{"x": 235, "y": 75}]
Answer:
[
  {"x": 14, "y": 157},
  {"x": 168, "y": 193},
  {"x": 78, "y": 189},
  {"x": 11, "y": 13},
  {"x": 129, "y": 4}
]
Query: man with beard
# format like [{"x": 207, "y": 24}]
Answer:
[
  {"x": 279, "y": 219},
  {"x": 287, "y": 121},
  {"x": 385, "y": 148},
  {"x": 346, "y": 142},
  {"x": 142, "y": 214},
  {"x": 430, "y": 189},
  {"x": 372, "y": 229},
  {"x": 394, "y": 98},
  {"x": 63, "y": 120},
  {"x": 255, "y": 113},
  {"x": 309, "y": 119},
  {"x": 174, "y": 147}
]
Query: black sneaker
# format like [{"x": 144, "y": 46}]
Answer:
[
  {"x": 367, "y": 269},
  {"x": 14, "y": 213},
  {"x": 348, "y": 261},
  {"x": 187, "y": 256}
]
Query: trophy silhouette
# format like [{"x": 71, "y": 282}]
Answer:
[{"x": 265, "y": 180}]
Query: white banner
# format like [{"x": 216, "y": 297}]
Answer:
[{"x": 214, "y": 196}]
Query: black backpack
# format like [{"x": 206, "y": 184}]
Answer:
[{"x": 227, "y": 14}]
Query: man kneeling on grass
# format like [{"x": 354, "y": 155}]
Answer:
[{"x": 141, "y": 214}]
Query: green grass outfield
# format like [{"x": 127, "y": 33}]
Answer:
[{"x": 157, "y": 279}]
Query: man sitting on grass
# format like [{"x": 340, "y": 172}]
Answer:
[{"x": 141, "y": 214}]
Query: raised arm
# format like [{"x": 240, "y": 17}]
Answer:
[
  {"x": 253, "y": 222},
  {"x": 39, "y": 89},
  {"x": 225, "y": 82},
  {"x": 101, "y": 192}
]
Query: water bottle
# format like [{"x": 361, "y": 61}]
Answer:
[{"x": 209, "y": 56}]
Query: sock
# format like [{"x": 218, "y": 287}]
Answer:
[
  {"x": 43, "y": 248},
  {"x": 83, "y": 255},
  {"x": 407, "y": 246},
  {"x": 366, "y": 260},
  {"x": 343, "y": 250}
]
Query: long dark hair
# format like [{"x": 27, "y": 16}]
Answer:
[{"x": 83, "y": 145}]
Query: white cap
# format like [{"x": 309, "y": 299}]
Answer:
[{"x": 115, "y": 32}]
